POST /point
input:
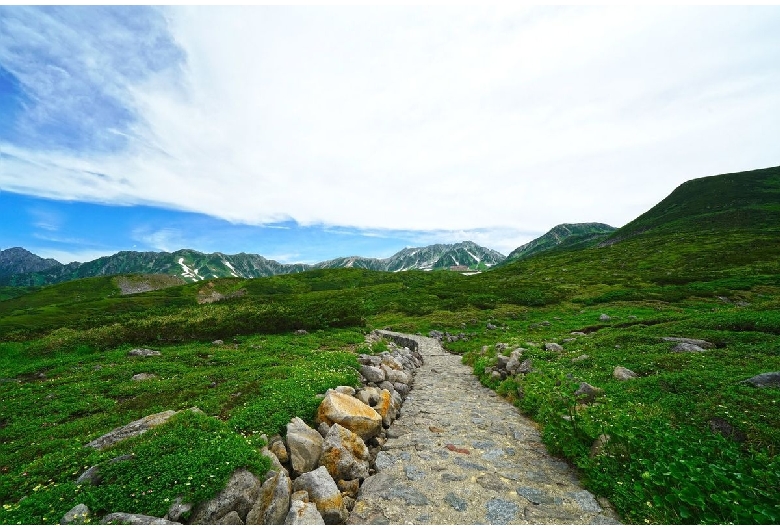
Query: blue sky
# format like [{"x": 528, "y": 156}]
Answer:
[{"x": 307, "y": 133}]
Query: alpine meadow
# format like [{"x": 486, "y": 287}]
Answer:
[{"x": 685, "y": 300}]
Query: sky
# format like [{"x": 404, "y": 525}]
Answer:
[{"x": 309, "y": 133}]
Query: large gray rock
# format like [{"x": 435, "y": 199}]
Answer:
[
  {"x": 273, "y": 501},
  {"x": 134, "y": 428},
  {"x": 302, "y": 512},
  {"x": 133, "y": 518},
  {"x": 684, "y": 347},
  {"x": 324, "y": 492},
  {"x": 304, "y": 445},
  {"x": 344, "y": 454},
  {"x": 623, "y": 374},
  {"x": 239, "y": 495},
  {"x": 684, "y": 340},
  {"x": 396, "y": 376},
  {"x": 76, "y": 515},
  {"x": 765, "y": 380},
  {"x": 372, "y": 374}
]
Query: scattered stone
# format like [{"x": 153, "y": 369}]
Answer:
[
  {"x": 132, "y": 429},
  {"x": 349, "y": 413},
  {"x": 324, "y": 493},
  {"x": 304, "y": 445},
  {"x": 580, "y": 358},
  {"x": 587, "y": 393},
  {"x": 413, "y": 473},
  {"x": 456, "y": 502},
  {"x": 491, "y": 482},
  {"x": 384, "y": 460},
  {"x": 143, "y": 377},
  {"x": 685, "y": 347},
  {"x": 490, "y": 326},
  {"x": 76, "y": 515},
  {"x": 578, "y": 333},
  {"x": 525, "y": 367},
  {"x": 449, "y": 477},
  {"x": 534, "y": 495},
  {"x": 765, "y": 380},
  {"x": 301, "y": 332},
  {"x": 460, "y": 450},
  {"x": 239, "y": 495},
  {"x": 133, "y": 518},
  {"x": 344, "y": 454},
  {"x": 143, "y": 352},
  {"x": 273, "y": 501},
  {"x": 500, "y": 511},
  {"x": 348, "y": 487},
  {"x": 552, "y": 346},
  {"x": 604, "y": 317},
  {"x": 623, "y": 374},
  {"x": 696, "y": 342}
]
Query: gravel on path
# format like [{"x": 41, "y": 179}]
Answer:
[{"x": 460, "y": 454}]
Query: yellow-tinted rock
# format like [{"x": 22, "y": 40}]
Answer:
[
  {"x": 350, "y": 413},
  {"x": 344, "y": 454}
]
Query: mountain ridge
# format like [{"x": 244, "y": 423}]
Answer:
[{"x": 192, "y": 265}]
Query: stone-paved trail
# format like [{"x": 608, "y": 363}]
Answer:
[{"x": 460, "y": 454}]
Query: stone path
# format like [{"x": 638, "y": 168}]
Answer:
[{"x": 460, "y": 454}]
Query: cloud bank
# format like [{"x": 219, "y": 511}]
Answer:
[{"x": 499, "y": 123}]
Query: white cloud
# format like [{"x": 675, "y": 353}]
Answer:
[{"x": 441, "y": 120}]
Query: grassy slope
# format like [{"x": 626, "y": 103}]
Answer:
[{"x": 713, "y": 275}]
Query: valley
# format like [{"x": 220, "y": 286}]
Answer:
[{"x": 678, "y": 435}]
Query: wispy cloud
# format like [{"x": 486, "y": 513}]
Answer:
[
  {"x": 435, "y": 120},
  {"x": 164, "y": 239}
]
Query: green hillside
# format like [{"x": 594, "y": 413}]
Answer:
[
  {"x": 689, "y": 441},
  {"x": 568, "y": 236}
]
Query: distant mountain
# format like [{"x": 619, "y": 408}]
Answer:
[
  {"x": 467, "y": 255},
  {"x": 191, "y": 265},
  {"x": 17, "y": 260},
  {"x": 567, "y": 236}
]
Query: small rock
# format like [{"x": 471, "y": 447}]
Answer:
[
  {"x": 552, "y": 346},
  {"x": 580, "y": 358},
  {"x": 280, "y": 451},
  {"x": 143, "y": 377},
  {"x": 324, "y": 493},
  {"x": 133, "y": 518},
  {"x": 684, "y": 340},
  {"x": 273, "y": 501},
  {"x": 725, "y": 429},
  {"x": 598, "y": 445},
  {"x": 143, "y": 352},
  {"x": 178, "y": 509},
  {"x": 623, "y": 374},
  {"x": 604, "y": 317},
  {"x": 684, "y": 347},
  {"x": 501, "y": 512},
  {"x": 130, "y": 430},
  {"x": 456, "y": 502},
  {"x": 372, "y": 374},
  {"x": 303, "y": 513},
  {"x": 348, "y": 390},
  {"x": 231, "y": 518},
  {"x": 350, "y": 413},
  {"x": 218, "y": 342},
  {"x": 301, "y": 332},
  {"x": 344, "y": 454},
  {"x": 587, "y": 393},
  {"x": 586, "y": 501},
  {"x": 239, "y": 495},
  {"x": 525, "y": 367},
  {"x": 76, "y": 515}
]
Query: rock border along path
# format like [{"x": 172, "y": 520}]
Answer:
[{"x": 460, "y": 454}]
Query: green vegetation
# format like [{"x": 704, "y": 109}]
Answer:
[{"x": 688, "y": 441}]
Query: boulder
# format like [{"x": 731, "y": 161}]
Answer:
[
  {"x": 684, "y": 340},
  {"x": 273, "y": 501},
  {"x": 553, "y": 346},
  {"x": 372, "y": 374},
  {"x": 143, "y": 352},
  {"x": 401, "y": 389},
  {"x": 344, "y": 454},
  {"x": 501, "y": 361},
  {"x": 178, "y": 509},
  {"x": 396, "y": 376},
  {"x": 350, "y": 413},
  {"x": 302, "y": 512},
  {"x": 134, "y": 428},
  {"x": 623, "y": 374},
  {"x": 143, "y": 377},
  {"x": 304, "y": 444},
  {"x": 587, "y": 393},
  {"x": 239, "y": 495},
  {"x": 76, "y": 515},
  {"x": 133, "y": 518},
  {"x": 386, "y": 407},
  {"x": 324, "y": 493},
  {"x": 392, "y": 362},
  {"x": 765, "y": 380}
]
